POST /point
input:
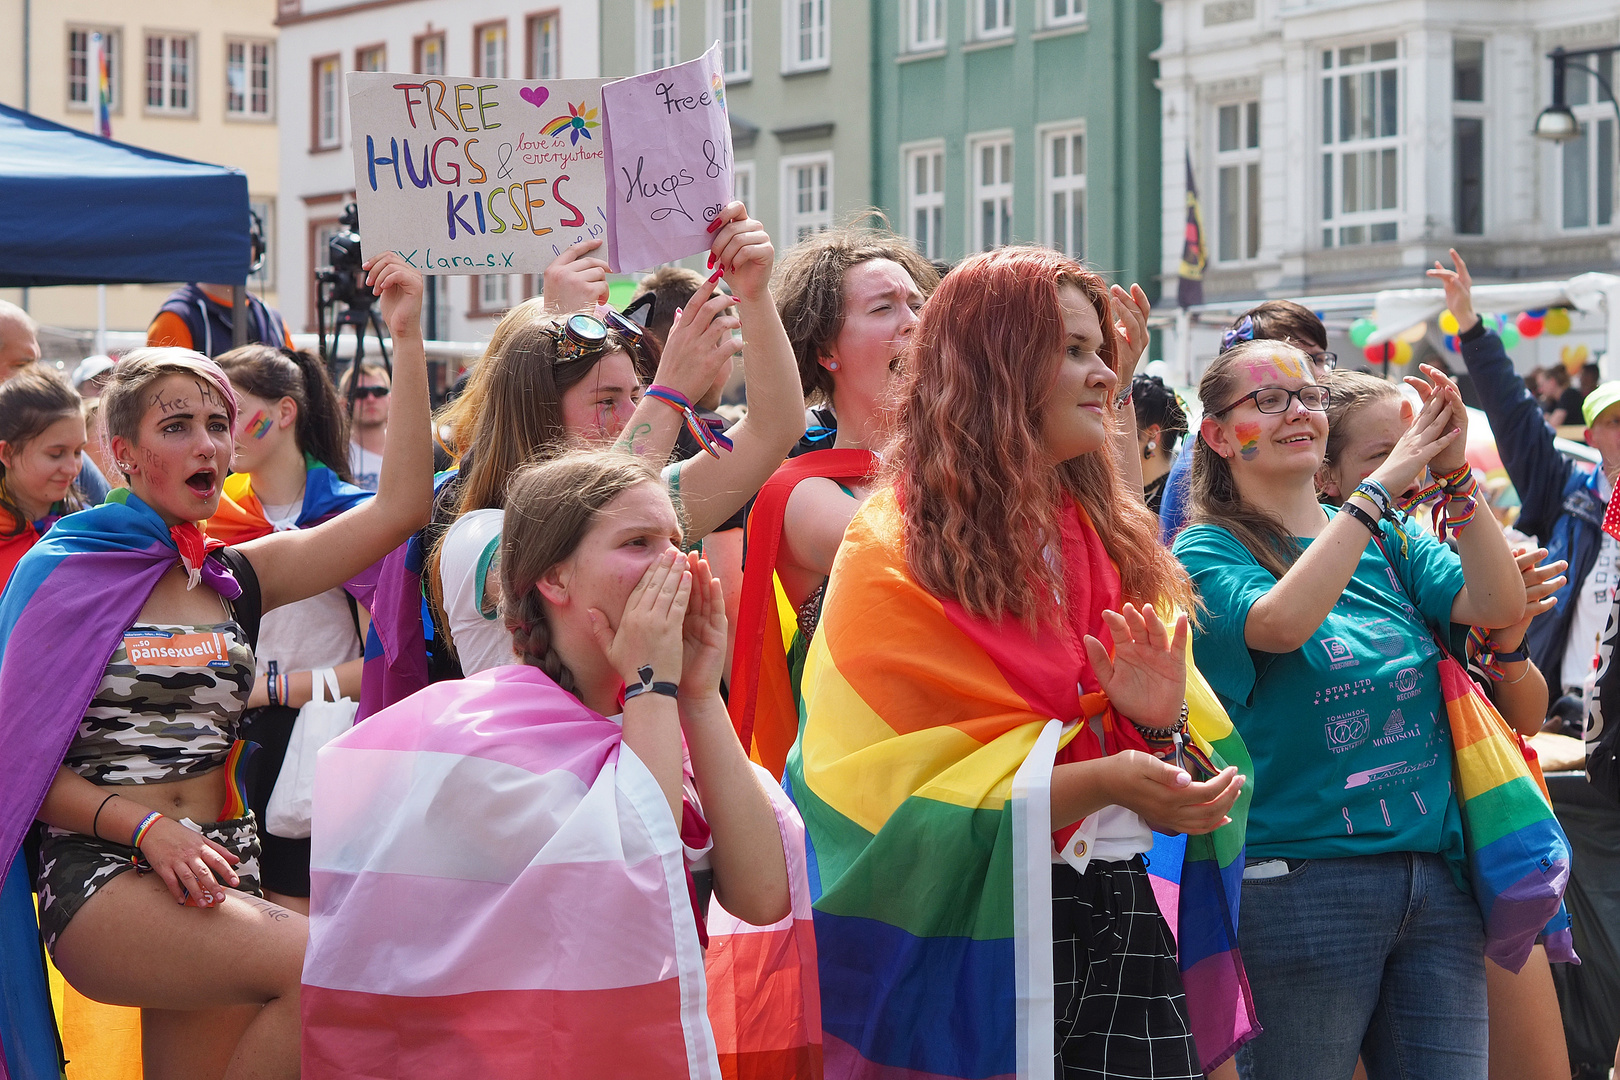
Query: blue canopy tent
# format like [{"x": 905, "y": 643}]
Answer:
[{"x": 77, "y": 209}]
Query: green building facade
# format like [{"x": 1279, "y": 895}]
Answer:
[{"x": 1020, "y": 121}]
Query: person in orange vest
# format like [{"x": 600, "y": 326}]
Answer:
[{"x": 199, "y": 316}]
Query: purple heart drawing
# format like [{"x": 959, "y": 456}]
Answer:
[{"x": 534, "y": 95}]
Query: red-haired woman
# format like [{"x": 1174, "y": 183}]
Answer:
[{"x": 1004, "y": 576}]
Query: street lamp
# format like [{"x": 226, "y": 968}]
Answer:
[{"x": 1556, "y": 123}]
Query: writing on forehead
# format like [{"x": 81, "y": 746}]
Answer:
[
  {"x": 208, "y": 394},
  {"x": 170, "y": 404}
]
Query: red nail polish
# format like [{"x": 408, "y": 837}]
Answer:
[
  {"x": 713, "y": 225},
  {"x": 714, "y": 277},
  {"x": 711, "y": 260}
]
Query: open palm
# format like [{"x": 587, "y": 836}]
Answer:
[{"x": 1146, "y": 678}]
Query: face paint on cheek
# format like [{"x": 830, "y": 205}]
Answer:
[
  {"x": 153, "y": 466},
  {"x": 1248, "y": 436},
  {"x": 259, "y": 425}
]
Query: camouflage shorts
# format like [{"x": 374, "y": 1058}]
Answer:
[{"x": 72, "y": 866}]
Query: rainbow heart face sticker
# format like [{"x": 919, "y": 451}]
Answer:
[{"x": 534, "y": 95}]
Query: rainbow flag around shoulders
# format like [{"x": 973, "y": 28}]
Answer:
[
  {"x": 498, "y": 890},
  {"x": 922, "y": 771},
  {"x": 241, "y": 516}
]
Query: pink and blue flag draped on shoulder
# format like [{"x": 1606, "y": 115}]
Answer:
[
  {"x": 67, "y": 605},
  {"x": 498, "y": 889}
]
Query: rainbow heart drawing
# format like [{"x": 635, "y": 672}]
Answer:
[{"x": 534, "y": 95}]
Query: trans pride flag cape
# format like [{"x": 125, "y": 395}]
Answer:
[
  {"x": 241, "y": 518},
  {"x": 498, "y": 889},
  {"x": 69, "y": 601},
  {"x": 763, "y": 703},
  {"x": 923, "y": 771}
]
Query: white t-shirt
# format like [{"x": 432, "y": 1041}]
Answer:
[
  {"x": 364, "y": 466},
  {"x": 1592, "y": 604},
  {"x": 314, "y": 633},
  {"x": 467, "y": 558}
]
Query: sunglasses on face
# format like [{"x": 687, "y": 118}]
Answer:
[
  {"x": 363, "y": 392},
  {"x": 1277, "y": 399}
]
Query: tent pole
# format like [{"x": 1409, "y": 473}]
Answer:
[
  {"x": 239, "y": 315},
  {"x": 101, "y": 320}
]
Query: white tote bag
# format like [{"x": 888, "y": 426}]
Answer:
[{"x": 320, "y": 721}]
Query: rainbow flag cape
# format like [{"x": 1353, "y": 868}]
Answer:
[
  {"x": 923, "y": 771},
  {"x": 764, "y": 699},
  {"x": 498, "y": 889},
  {"x": 64, "y": 610},
  {"x": 241, "y": 518},
  {"x": 1518, "y": 855}
]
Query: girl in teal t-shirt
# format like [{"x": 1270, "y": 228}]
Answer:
[{"x": 1356, "y": 933}]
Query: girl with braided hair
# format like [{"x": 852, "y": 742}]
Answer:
[{"x": 577, "y": 817}]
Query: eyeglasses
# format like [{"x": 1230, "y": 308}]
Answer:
[
  {"x": 585, "y": 335},
  {"x": 1327, "y": 361},
  {"x": 361, "y": 392},
  {"x": 1277, "y": 399}
]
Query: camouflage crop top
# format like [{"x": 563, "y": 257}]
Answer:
[{"x": 167, "y": 707}]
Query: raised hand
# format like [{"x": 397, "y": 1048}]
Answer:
[
  {"x": 1541, "y": 582},
  {"x": 742, "y": 248},
  {"x": 1131, "y": 310},
  {"x": 1431, "y": 431},
  {"x": 703, "y": 634},
  {"x": 195, "y": 869},
  {"x": 700, "y": 343},
  {"x": 648, "y": 631},
  {"x": 1451, "y": 457},
  {"x": 400, "y": 288},
  {"x": 1146, "y": 678},
  {"x": 575, "y": 280},
  {"x": 1459, "y": 290}
]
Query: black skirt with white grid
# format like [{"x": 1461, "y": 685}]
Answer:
[{"x": 1121, "y": 1009}]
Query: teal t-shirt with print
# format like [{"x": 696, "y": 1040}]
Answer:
[{"x": 1351, "y": 746}]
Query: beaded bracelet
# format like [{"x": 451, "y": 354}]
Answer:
[{"x": 1164, "y": 733}]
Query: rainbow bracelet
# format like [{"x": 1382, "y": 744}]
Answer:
[
  {"x": 710, "y": 434},
  {"x": 143, "y": 828}
]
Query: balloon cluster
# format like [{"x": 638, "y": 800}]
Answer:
[{"x": 1512, "y": 331}]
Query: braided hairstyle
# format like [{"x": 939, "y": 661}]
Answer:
[
  {"x": 274, "y": 373},
  {"x": 550, "y": 506}
]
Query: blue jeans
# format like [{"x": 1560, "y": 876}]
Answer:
[{"x": 1377, "y": 955}]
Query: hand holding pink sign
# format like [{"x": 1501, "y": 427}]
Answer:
[{"x": 668, "y": 143}]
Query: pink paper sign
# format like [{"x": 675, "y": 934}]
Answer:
[{"x": 668, "y": 148}]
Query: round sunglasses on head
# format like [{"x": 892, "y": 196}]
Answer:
[{"x": 586, "y": 335}]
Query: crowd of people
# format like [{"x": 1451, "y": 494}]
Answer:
[{"x": 966, "y": 705}]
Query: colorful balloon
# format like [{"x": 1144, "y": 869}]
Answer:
[
  {"x": 1510, "y": 336},
  {"x": 1537, "y": 313},
  {"x": 1360, "y": 331},
  {"x": 1528, "y": 325},
  {"x": 1451, "y": 343},
  {"x": 1402, "y": 354},
  {"x": 1557, "y": 321},
  {"x": 1414, "y": 334},
  {"x": 1448, "y": 322}
]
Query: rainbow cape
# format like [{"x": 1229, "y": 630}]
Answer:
[
  {"x": 923, "y": 771},
  {"x": 764, "y": 700},
  {"x": 498, "y": 889},
  {"x": 64, "y": 610},
  {"x": 241, "y": 518}
]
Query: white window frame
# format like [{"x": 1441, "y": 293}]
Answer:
[
  {"x": 991, "y": 20},
  {"x": 923, "y": 25},
  {"x": 742, "y": 182},
  {"x": 490, "y": 43},
  {"x": 1244, "y": 160},
  {"x": 325, "y": 77},
  {"x": 731, "y": 22},
  {"x": 112, "y": 41},
  {"x": 1069, "y": 185},
  {"x": 1593, "y": 114},
  {"x": 796, "y": 39},
  {"x": 658, "y": 34},
  {"x": 1056, "y": 13},
  {"x": 1002, "y": 189},
  {"x": 544, "y": 45},
  {"x": 815, "y": 218},
  {"x": 258, "y": 58},
  {"x": 168, "y": 83},
  {"x": 1372, "y": 150},
  {"x": 930, "y": 203}
]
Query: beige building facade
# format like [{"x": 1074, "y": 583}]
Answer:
[{"x": 192, "y": 78}]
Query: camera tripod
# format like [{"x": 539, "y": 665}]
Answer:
[{"x": 362, "y": 318}]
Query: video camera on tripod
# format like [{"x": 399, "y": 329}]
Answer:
[{"x": 343, "y": 282}]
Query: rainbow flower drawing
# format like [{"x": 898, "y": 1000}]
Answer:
[{"x": 580, "y": 119}]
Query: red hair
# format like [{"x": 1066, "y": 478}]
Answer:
[{"x": 980, "y": 495}]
